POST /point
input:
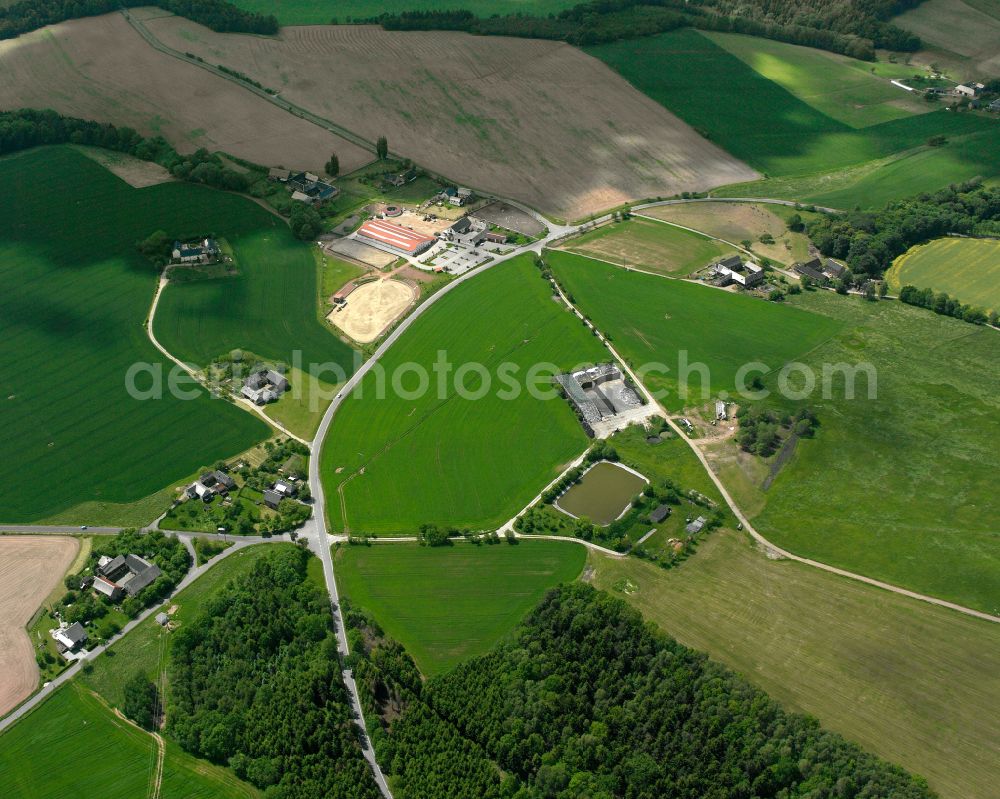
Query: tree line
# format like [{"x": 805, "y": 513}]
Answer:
[
  {"x": 869, "y": 241},
  {"x": 29, "y": 15},
  {"x": 942, "y": 303},
  {"x": 255, "y": 684},
  {"x": 851, "y": 27},
  {"x": 26, "y": 127}
]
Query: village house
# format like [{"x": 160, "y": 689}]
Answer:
[
  {"x": 127, "y": 574},
  {"x": 203, "y": 252},
  {"x": 811, "y": 269},
  {"x": 264, "y": 386},
  {"x": 272, "y": 499},
  {"x": 401, "y": 178},
  {"x": 969, "y": 89},
  {"x": 69, "y": 638}
]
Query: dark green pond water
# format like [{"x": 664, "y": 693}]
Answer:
[{"x": 603, "y": 493}]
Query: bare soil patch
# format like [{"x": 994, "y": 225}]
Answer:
[
  {"x": 134, "y": 171},
  {"x": 30, "y": 568},
  {"x": 537, "y": 121},
  {"x": 360, "y": 252},
  {"x": 100, "y": 68},
  {"x": 508, "y": 216},
  {"x": 371, "y": 308}
]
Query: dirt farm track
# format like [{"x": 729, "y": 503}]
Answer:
[
  {"x": 30, "y": 568},
  {"x": 101, "y": 68},
  {"x": 536, "y": 121}
]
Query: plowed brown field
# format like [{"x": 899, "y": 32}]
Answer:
[
  {"x": 101, "y": 69},
  {"x": 538, "y": 121},
  {"x": 30, "y": 567}
]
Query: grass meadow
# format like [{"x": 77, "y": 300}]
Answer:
[
  {"x": 74, "y": 745},
  {"x": 906, "y": 680},
  {"x": 71, "y": 324},
  {"x": 651, "y": 246},
  {"x": 448, "y": 604},
  {"x": 899, "y": 487},
  {"x": 653, "y": 320},
  {"x": 396, "y": 462},
  {"x": 965, "y": 268},
  {"x": 785, "y": 134}
]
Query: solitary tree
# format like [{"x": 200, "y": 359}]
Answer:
[
  {"x": 333, "y": 166},
  {"x": 382, "y": 148}
]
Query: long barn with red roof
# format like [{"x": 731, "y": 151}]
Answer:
[{"x": 395, "y": 237}]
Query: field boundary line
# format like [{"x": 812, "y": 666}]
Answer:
[
  {"x": 741, "y": 517},
  {"x": 238, "y": 401}
]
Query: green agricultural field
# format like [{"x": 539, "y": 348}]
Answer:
[
  {"x": 905, "y": 679},
  {"x": 410, "y": 457},
  {"x": 649, "y": 245},
  {"x": 654, "y": 320},
  {"x": 960, "y": 37},
  {"x": 965, "y": 268},
  {"x": 448, "y": 604},
  {"x": 272, "y": 308},
  {"x": 71, "y": 326},
  {"x": 773, "y": 130},
  {"x": 856, "y": 93},
  {"x": 321, "y": 12},
  {"x": 73, "y": 745},
  {"x": 897, "y": 487}
]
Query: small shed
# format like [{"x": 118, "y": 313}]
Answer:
[{"x": 659, "y": 514}]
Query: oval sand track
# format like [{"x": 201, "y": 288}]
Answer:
[{"x": 30, "y": 567}]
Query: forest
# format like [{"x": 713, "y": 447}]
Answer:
[
  {"x": 870, "y": 241},
  {"x": 586, "y": 700},
  {"x": 29, "y": 15},
  {"x": 255, "y": 684},
  {"x": 851, "y": 27}
]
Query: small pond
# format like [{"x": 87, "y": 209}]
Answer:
[{"x": 603, "y": 493}]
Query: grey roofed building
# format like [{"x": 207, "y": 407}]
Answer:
[
  {"x": 811, "y": 269},
  {"x": 224, "y": 479},
  {"x": 463, "y": 225},
  {"x": 995, "y": 105},
  {"x": 266, "y": 377},
  {"x": 141, "y": 578},
  {"x": 112, "y": 566},
  {"x": 72, "y": 636},
  {"x": 285, "y": 488},
  {"x": 272, "y": 498},
  {"x": 833, "y": 269},
  {"x": 657, "y": 515},
  {"x": 107, "y": 588},
  {"x": 696, "y": 525},
  {"x": 162, "y": 619},
  {"x": 731, "y": 262}
]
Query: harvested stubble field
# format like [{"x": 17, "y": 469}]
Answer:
[
  {"x": 736, "y": 222},
  {"x": 516, "y": 117},
  {"x": 909, "y": 681},
  {"x": 651, "y": 246},
  {"x": 958, "y": 35},
  {"x": 371, "y": 308},
  {"x": 30, "y": 567},
  {"x": 965, "y": 268},
  {"x": 398, "y": 456},
  {"x": 100, "y": 68}
]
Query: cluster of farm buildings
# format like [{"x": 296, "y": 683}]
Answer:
[
  {"x": 264, "y": 386},
  {"x": 819, "y": 270},
  {"x": 219, "y": 483},
  {"x": 603, "y": 399}
]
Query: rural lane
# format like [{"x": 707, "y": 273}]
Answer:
[
  {"x": 36, "y": 699},
  {"x": 239, "y": 401},
  {"x": 758, "y": 537}
]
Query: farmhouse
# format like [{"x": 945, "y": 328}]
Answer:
[
  {"x": 811, "y": 269},
  {"x": 394, "y": 238},
  {"x": 833, "y": 270},
  {"x": 735, "y": 270},
  {"x": 308, "y": 188},
  {"x": 128, "y": 573},
  {"x": 202, "y": 252},
  {"x": 264, "y": 386},
  {"x": 696, "y": 526},
  {"x": 969, "y": 89},
  {"x": 69, "y": 638},
  {"x": 272, "y": 499}
]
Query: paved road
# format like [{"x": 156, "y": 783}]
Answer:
[{"x": 764, "y": 542}]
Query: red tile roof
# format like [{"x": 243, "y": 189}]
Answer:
[{"x": 394, "y": 235}]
